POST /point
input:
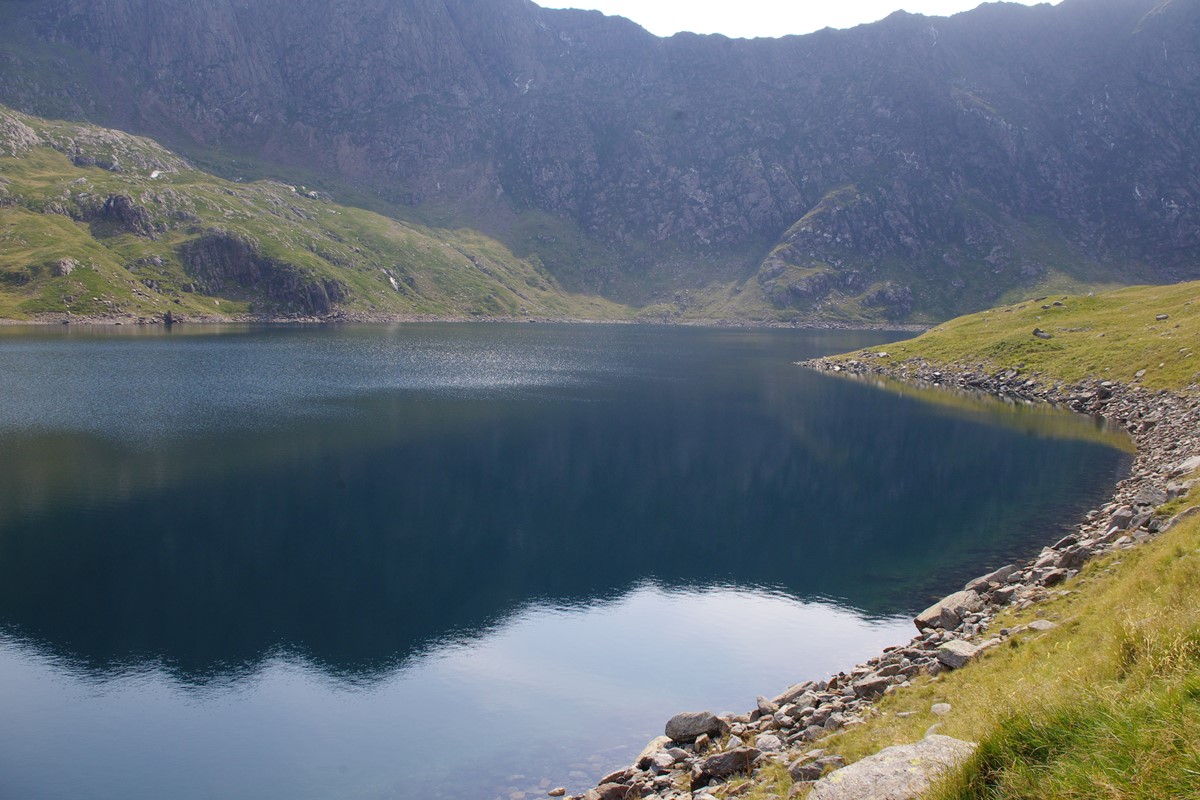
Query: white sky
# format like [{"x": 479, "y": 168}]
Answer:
[{"x": 748, "y": 18}]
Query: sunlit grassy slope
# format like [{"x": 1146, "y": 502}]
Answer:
[
  {"x": 55, "y": 179},
  {"x": 1106, "y": 704},
  {"x": 1113, "y": 335}
]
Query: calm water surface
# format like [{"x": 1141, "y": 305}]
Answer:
[{"x": 450, "y": 561}]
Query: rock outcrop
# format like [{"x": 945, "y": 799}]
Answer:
[
  {"x": 902, "y": 772},
  {"x": 221, "y": 261}
]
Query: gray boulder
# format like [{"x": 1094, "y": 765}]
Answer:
[
  {"x": 691, "y": 725},
  {"x": 981, "y": 583},
  {"x": 948, "y": 612},
  {"x": 1185, "y": 467},
  {"x": 956, "y": 654},
  {"x": 739, "y": 760},
  {"x": 903, "y": 772},
  {"x": 871, "y": 686}
]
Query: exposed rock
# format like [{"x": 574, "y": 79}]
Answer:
[
  {"x": 871, "y": 686},
  {"x": 981, "y": 583},
  {"x": 902, "y": 772},
  {"x": 768, "y": 743},
  {"x": 956, "y": 653},
  {"x": 948, "y": 612},
  {"x": 689, "y": 725},
  {"x": 220, "y": 259},
  {"x": 656, "y": 745},
  {"x": 940, "y": 709},
  {"x": 722, "y": 765},
  {"x": 1186, "y": 467}
]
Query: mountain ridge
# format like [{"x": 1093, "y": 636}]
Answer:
[{"x": 908, "y": 169}]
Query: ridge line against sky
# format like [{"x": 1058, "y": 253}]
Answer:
[{"x": 751, "y": 18}]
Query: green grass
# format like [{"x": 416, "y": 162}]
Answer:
[
  {"x": 1112, "y": 335},
  {"x": 389, "y": 268},
  {"x": 1106, "y": 704}
]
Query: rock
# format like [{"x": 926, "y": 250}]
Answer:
[
  {"x": 956, "y": 654},
  {"x": 794, "y": 693},
  {"x": 948, "y": 612},
  {"x": 766, "y": 707},
  {"x": 981, "y": 583},
  {"x": 1041, "y": 625},
  {"x": 1041, "y": 334},
  {"x": 690, "y": 725},
  {"x": 1054, "y": 577},
  {"x": 657, "y": 745},
  {"x": 1004, "y": 594},
  {"x": 1150, "y": 496},
  {"x": 661, "y": 762},
  {"x": 1121, "y": 519},
  {"x": 559, "y": 792},
  {"x": 610, "y": 791},
  {"x": 1186, "y": 467},
  {"x": 64, "y": 267},
  {"x": 620, "y": 776},
  {"x": 1162, "y": 317},
  {"x": 768, "y": 743},
  {"x": 1075, "y": 557},
  {"x": 732, "y": 762},
  {"x": 902, "y": 772},
  {"x": 940, "y": 709},
  {"x": 871, "y": 686}
]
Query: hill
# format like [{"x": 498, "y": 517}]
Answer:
[
  {"x": 98, "y": 223},
  {"x": 911, "y": 169}
]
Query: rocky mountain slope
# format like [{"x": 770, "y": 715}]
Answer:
[
  {"x": 907, "y": 169},
  {"x": 98, "y": 223}
]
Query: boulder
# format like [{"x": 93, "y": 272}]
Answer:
[
  {"x": 981, "y": 583},
  {"x": 902, "y": 772},
  {"x": 957, "y": 653},
  {"x": 739, "y": 760},
  {"x": 657, "y": 745},
  {"x": 1075, "y": 557},
  {"x": 1121, "y": 519},
  {"x": 768, "y": 743},
  {"x": 871, "y": 686},
  {"x": 1186, "y": 467},
  {"x": 691, "y": 725},
  {"x": 948, "y": 612}
]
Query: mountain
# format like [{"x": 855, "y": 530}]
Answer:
[
  {"x": 909, "y": 169},
  {"x": 99, "y": 223}
]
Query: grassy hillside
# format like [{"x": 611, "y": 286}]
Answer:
[
  {"x": 100, "y": 223},
  {"x": 1107, "y": 703},
  {"x": 1114, "y": 335}
]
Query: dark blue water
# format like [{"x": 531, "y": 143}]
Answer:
[{"x": 450, "y": 561}]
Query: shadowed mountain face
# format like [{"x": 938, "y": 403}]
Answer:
[{"x": 916, "y": 166}]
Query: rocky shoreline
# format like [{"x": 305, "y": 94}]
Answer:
[{"x": 694, "y": 752}]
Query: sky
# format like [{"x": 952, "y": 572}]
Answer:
[{"x": 748, "y": 18}]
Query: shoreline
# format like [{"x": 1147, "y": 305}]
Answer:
[
  {"x": 1164, "y": 426},
  {"x": 67, "y": 320}
]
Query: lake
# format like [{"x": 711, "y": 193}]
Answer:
[{"x": 466, "y": 561}]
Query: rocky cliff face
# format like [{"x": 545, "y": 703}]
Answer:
[{"x": 914, "y": 166}]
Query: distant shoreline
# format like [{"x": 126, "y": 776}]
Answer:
[{"x": 51, "y": 320}]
